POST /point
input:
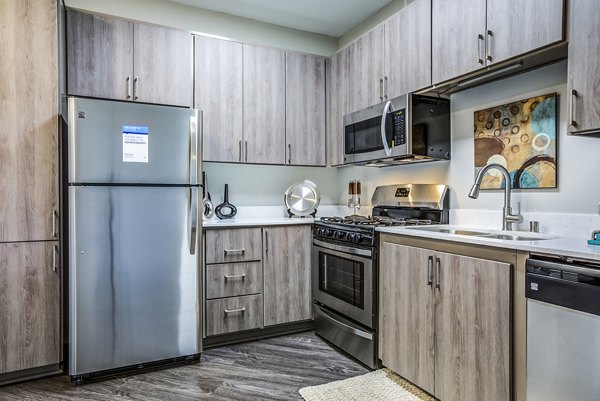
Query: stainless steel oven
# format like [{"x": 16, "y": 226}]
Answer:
[{"x": 343, "y": 280}]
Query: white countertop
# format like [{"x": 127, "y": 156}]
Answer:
[
  {"x": 575, "y": 247},
  {"x": 255, "y": 222}
]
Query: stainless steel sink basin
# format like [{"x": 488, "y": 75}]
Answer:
[
  {"x": 509, "y": 237},
  {"x": 444, "y": 230},
  {"x": 482, "y": 234}
]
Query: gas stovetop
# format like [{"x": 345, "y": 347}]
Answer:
[
  {"x": 375, "y": 221},
  {"x": 397, "y": 205}
]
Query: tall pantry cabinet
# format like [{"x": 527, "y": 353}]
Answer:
[{"x": 29, "y": 200}]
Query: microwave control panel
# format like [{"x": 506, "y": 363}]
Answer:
[{"x": 399, "y": 119}]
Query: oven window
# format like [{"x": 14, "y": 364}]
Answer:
[
  {"x": 365, "y": 136},
  {"x": 342, "y": 278}
]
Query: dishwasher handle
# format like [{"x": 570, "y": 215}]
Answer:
[{"x": 565, "y": 285}]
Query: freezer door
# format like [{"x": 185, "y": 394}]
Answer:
[
  {"x": 134, "y": 284},
  {"x": 115, "y": 142}
]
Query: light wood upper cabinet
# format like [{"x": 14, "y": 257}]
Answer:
[
  {"x": 408, "y": 50},
  {"x": 163, "y": 65},
  {"x": 340, "y": 85},
  {"x": 473, "y": 329},
  {"x": 457, "y": 39},
  {"x": 305, "y": 109},
  {"x": 366, "y": 69},
  {"x": 263, "y": 105},
  {"x": 406, "y": 307},
  {"x": 99, "y": 56},
  {"x": 118, "y": 59},
  {"x": 515, "y": 27},
  {"x": 287, "y": 274},
  {"x": 28, "y": 121},
  {"x": 218, "y": 93},
  {"x": 584, "y": 69},
  {"x": 468, "y": 35},
  {"x": 445, "y": 322},
  {"x": 30, "y": 304}
]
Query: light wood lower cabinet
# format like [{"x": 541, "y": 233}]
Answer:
[
  {"x": 29, "y": 305},
  {"x": 445, "y": 322},
  {"x": 287, "y": 272},
  {"x": 228, "y": 315},
  {"x": 232, "y": 279},
  {"x": 233, "y": 245}
]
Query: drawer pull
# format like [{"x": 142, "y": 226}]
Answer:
[
  {"x": 240, "y": 310},
  {"x": 234, "y": 251},
  {"x": 241, "y": 276}
]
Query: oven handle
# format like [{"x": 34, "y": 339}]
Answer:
[
  {"x": 386, "y": 109},
  {"x": 345, "y": 249},
  {"x": 344, "y": 326}
]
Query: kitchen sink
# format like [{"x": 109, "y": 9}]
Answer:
[
  {"x": 509, "y": 237},
  {"x": 483, "y": 234},
  {"x": 444, "y": 230}
]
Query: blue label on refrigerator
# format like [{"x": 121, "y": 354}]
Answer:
[{"x": 135, "y": 144}]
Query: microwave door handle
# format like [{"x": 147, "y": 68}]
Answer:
[{"x": 386, "y": 109}]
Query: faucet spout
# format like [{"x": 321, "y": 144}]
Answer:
[{"x": 507, "y": 217}]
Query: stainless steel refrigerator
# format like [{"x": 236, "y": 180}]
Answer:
[{"x": 134, "y": 235}]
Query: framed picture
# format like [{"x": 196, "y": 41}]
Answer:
[{"x": 520, "y": 136}]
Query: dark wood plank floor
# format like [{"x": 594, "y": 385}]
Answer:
[{"x": 272, "y": 369}]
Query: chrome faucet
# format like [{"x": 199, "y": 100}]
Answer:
[{"x": 507, "y": 217}]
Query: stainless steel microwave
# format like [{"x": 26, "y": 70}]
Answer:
[{"x": 410, "y": 128}]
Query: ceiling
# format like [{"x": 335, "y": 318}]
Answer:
[{"x": 327, "y": 17}]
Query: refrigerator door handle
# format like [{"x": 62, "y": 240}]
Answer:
[
  {"x": 193, "y": 161},
  {"x": 193, "y": 219}
]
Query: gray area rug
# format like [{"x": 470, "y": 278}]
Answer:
[{"x": 380, "y": 385}]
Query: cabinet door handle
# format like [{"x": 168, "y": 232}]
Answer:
[
  {"x": 54, "y": 223},
  {"x": 289, "y": 153},
  {"x": 228, "y": 311},
  {"x": 266, "y": 243},
  {"x": 385, "y": 87},
  {"x": 128, "y": 82},
  {"x": 380, "y": 88},
  {"x": 438, "y": 273},
  {"x": 572, "y": 104},
  {"x": 430, "y": 271},
  {"x": 229, "y": 252},
  {"x": 135, "y": 88},
  {"x": 246, "y": 151},
  {"x": 240, "y": 143},
  {"x": 242, "y": 276},
  {"x": 489, "y": 45},
  {"x": 54, "y": 258},
  {"x": 480, "y": 41}
]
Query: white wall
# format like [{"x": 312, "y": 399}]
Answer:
[
  {"x": 253, "y": 185},
  {"x": 163, "y": 12}
]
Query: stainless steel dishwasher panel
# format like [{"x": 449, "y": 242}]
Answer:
[{"x": 563, "y": 353}]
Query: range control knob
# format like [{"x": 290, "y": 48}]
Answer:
[
  {"x": 328, "y": 232},
  {"x": 357, "y": 238},
  {"x": 340, "y": 234},
  {"x": 351, "y": 237},
  {"x": 321, "y": 231}
]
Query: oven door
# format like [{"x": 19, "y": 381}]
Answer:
[{"x": 343, "y": 280}]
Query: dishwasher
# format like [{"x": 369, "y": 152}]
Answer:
[{"x": 563, "y": 330}]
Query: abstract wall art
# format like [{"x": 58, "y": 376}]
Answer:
[{"x": 521, "y": 136}]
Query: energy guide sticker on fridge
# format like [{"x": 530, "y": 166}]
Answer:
[{"x": 135, "y": 144}]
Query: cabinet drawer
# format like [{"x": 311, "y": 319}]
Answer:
[
  {"x": 229, "y": 315},
  {"x": 233, "y": 279},
  {"x": 233, "y": 245}
]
